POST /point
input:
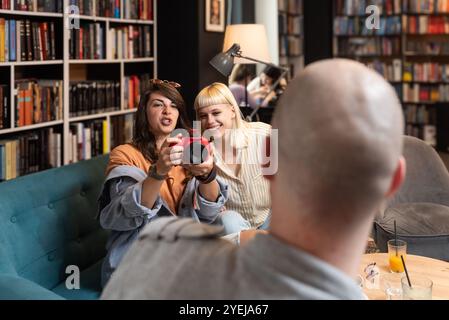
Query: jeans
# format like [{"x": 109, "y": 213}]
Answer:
[
  {"x": 232, "y": 222},
  {"x": 266, "y": 224}
]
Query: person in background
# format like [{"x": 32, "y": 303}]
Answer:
[
  {"x": 240, "y": 77},
  {"x": 261, "y": 87},
  {"x": 238, "y": 148},
  {"x": 340, "y": 157},
  {"x": 145, "y": 179}
]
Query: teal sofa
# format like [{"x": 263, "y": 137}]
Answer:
[{"x": 47, "y": 222}]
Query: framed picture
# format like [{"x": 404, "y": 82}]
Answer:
[{"x": 215, "y": 15}]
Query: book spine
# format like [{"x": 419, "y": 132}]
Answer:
[
  {"x": 12, "y": 41},
  {"x": 2, "y": 39},
  {"x": 29, "y": 46}
]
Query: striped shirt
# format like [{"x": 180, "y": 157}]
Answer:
[{"x": 249, "y": 190}]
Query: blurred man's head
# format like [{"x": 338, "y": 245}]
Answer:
[{"x": 340, "y": 143}]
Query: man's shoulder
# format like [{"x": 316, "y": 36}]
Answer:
[{"x": 171, "y": 229}]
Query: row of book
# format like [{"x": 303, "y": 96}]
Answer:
[
  {"x": 134, "y": 87},
  {"x": 426, "y": 6},
  {"x": 356, "y": 26},
  {"x": 128, "y": 9},
  {"x": 426, "y": 25},
  {"x": 391, "y": 71},
  {"x": 427, "y": 47},
  {"x": 129, "y": 42},
  {"x": 38, "y": 101},
  {"x": 87, "y": 140},
  {"x": 358, "y": 7},
  {"x": 290, "y": 46},
  {"x": 291, "y": 6},
  {"x": 4, "y": 107},
  {"x": 25, "y": 40},
  {"x": 427, "y": 133},
  {"x": 369, "y": 46},
  {"x": 29, "y": 153},
  {"x": 87, "y": 42},
  {"x": 37, "y": 5},
  {"x": 418, "y": 93},
  {"x": 420, "y": 114},
  {"x": 5, "y": 4},
  {"x": 426, "y": 72},
  {"x": 121, "y": 129},
  {"x": 93, "y": 97},
  {"x": 292, "y": 25}
]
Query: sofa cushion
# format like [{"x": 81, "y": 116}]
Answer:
[
  {"x": 424, "y": 226},
  {"x": 47, "y": 222},
  {"x": 90, "y": 285}
]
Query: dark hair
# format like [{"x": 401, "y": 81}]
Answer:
[
  {"x": 143, "y": 138},
  {"x": 273, "y": 73},
  {"x": 241, "y": 73}
]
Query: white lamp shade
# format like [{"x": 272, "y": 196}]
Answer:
[{"x": 252, "y": 39}]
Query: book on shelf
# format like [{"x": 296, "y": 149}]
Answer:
[
  {"x": 418, "y": 93},
  {"x": 39, "y": 5},
  {"x": 88, "y": 42},
  {"x": 369, "y": 46},
  {"x": 121, "y": 129},
  {"x": 134, "y": 87},
  {"x": 128, "y": 9},
  {"x": 290, "y": 25},
  {"x": 426, "y": 46},
  {"x": 87, "y": 140},
  {"x": 4, "y": 107},
  {"x": 353, "y": 26},
  {"x": 23, "y": 40},
  {"x": 391, "y": 71},
  {"x": 358, "y": 7},
  {"x": 290, "y": 46},
  {"x": 291, "y": 6},
  {"x": 426, "y": 6},
  {"x": 425, "y": 24},
  {"x": 5, "y": 4},
  {"x": 426, "y": 72},
  {"x": 93, "y": 97},
  {"x": 29, "y": 153},
  {"x": 129, "y": 42},
  {"x": 38, "y": 101}
]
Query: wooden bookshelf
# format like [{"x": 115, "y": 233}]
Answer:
[
  {"x": 291, "y": 35},
  {"x": 414, "y": 36},
  {"x": 69, "y": 71}
]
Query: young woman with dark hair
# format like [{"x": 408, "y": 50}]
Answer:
[{"x": 146, "y": 179}]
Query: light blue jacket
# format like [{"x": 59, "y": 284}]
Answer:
[{"x": 120, "y": 210}]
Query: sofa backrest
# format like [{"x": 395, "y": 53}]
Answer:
[{"x": 47, "y": 222}]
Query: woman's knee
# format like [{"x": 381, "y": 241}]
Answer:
[{"x": 233, "y": 222}]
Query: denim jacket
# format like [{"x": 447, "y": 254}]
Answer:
[{"x": 120, "y": 210}]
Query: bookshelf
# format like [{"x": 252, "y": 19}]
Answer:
[
  {"x": 100, "y": 74},
  {"x": 291, "y": 35},
  {"x": 411, "y": 50}
]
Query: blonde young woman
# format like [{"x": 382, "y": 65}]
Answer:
[{"x": 237, "y": 146}]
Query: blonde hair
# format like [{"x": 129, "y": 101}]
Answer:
[{"x": 219, "y": 93}]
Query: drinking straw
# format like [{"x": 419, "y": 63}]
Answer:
[
  {"x": 406, "y": 272},
  {"x": 395, "y": 238}
]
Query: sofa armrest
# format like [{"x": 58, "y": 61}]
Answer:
[{"x": 17, "y": 288}]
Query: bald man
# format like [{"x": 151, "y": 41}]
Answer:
[{"x": 340, "y": 145}]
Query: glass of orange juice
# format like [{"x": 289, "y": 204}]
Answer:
[{"x": 396, "y": 249}]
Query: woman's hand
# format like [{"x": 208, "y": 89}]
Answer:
[
  {"x": 203, "y": 169},
  {"x": 169, "y": 156}
]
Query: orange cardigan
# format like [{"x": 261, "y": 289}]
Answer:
[{"x": 172, "y": 188}]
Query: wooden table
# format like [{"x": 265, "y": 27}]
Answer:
[{"x": 436, "y": 270}]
